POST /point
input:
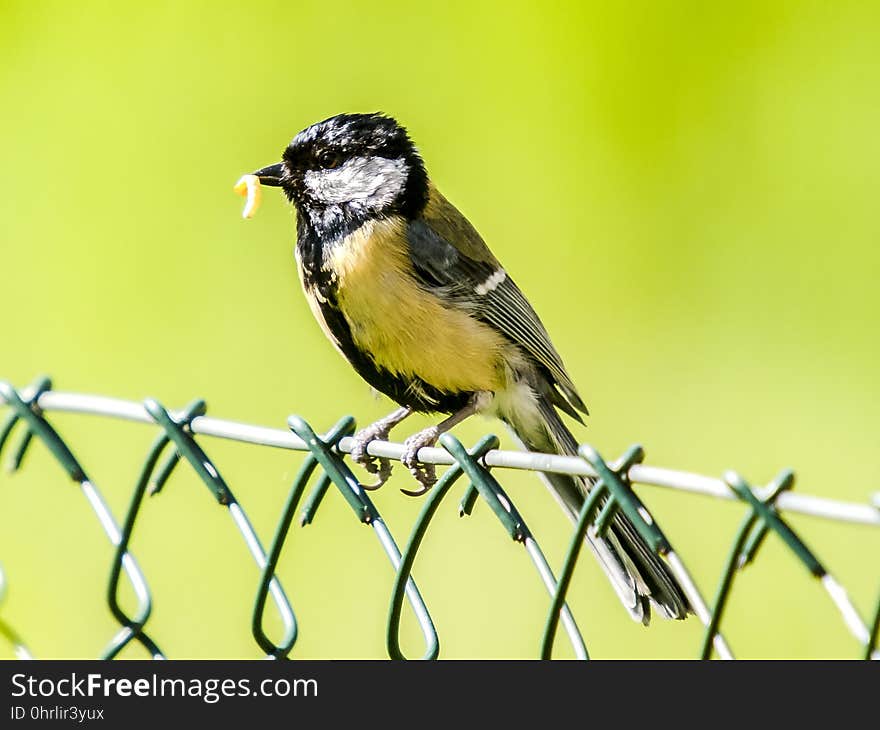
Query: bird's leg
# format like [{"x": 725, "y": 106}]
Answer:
[
  {"x": 426, "y": 474},
  {"x": 377, "y": 431}
]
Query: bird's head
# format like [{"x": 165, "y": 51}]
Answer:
[{"x": 350, "y": 168}]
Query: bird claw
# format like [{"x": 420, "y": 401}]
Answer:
[
  {"x": 417, "y": 492},
  {"x": 424, "y": 474},
  {"x": 379, "y": 466},
  {"x": 383, "y": 473}
]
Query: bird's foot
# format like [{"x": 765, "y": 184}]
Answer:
[
  {"x": 425, "y": 474},
  {"x": 377, "y": 465}
]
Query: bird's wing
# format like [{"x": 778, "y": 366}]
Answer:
[{"x": 447, "y": 253}]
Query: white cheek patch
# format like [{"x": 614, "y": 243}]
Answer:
[{"x": 372, "y": 181}]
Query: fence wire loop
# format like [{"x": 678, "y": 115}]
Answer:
[
  {"x": 281, "y": 650},
  {"x": 39, "y": 386},
  {"x": 620, "y": 496},
  {"x": 749, "y": 538},
  {"x": 419, "y": 530},
  {"x": 324, "y": 464},
  {"x": 132, "y": 626},
  {"x": 782, "y": 483},
  {"x": 183, "y": 420},
  {"x": 769, "y": 519},
  {"x": 178, "y": 431},
  {"x": 493, "y": 494},
  {"x": 339, "y": 474},
  {"x": 614, "y": 487},
  {"x": 180, "y": 435},
  {"x": 487, "y": 487},
  {"x": 585, "y": 519},
  {"x": 28, "y": 411},
  {"x": 336, "y": 471}
]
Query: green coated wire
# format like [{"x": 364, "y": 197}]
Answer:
[
  {"x": 612, "y": 493},
  {"x": 748, "y": 540},
  {"x": 30, "y": 414},
  {"x": 501, "y": 504},
  {"x": 188, "y": 448},
  {"x": 420, "y": 528},
  {"x": 338, "y": 473},
  {"x": 274, "y": 553},
  {"x": 725, "y": 584},
  {"x": 871, "y": 647},
  {"x": 341, "y": 476},
  {"x": 313, "y": 501},
  {"x": 132, "y": 626},
  {"x": 624, "y": 497},
  {"x": 39, "y": 386},
  {"x": 597, "y": 493},
  {"x": 585, "y": 516},
  {"x": 468, "y": 500},
  {"x": 179, "y": 433},
  {"x": 783, "y": 483},
  {"x": 6, "y": 429},
  {"x": 38, "y": 426},
  {"x": 488, "y": 487},
  {"x": 340, "y": 430},
  {"x": 773, "y": 521}
]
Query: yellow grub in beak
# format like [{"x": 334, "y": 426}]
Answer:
[{"x": 249, "y": 186}]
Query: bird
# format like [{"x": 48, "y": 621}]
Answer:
[{"x": 406, "y": 289}]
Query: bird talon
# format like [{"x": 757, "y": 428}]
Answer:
[
  {"x": 359, "y": 453},
  {"x": 383, "y": 471},
  {"x": 424, "y": 474},
  {"x": 415, "y": 443},
  {"x": 368, "y": 462},
  {"x": 371, "y": 464},
  {"x": 416, "y": 492}
]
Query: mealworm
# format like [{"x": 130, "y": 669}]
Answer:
[{"x": 249, "y": 186}]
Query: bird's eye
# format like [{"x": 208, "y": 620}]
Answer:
[{"x": 328, "y": 159}]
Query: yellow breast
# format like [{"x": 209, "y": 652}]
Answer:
[{"x": 406, "y": 330}]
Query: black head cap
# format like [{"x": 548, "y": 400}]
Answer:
[{"x": 350, "y": 168}]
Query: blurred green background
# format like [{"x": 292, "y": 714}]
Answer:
[{"x": 687, "y": 192}]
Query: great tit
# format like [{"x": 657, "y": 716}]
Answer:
[{"x": 408, "y": 292}]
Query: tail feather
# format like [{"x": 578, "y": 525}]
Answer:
[{"x": 638, "y": 575}]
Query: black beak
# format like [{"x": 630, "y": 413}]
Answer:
[{"x": 271, "y": 175}]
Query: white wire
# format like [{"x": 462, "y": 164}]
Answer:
[
  {"x": 415, "y": 599},
  {"x": 850, "y": 615},
  {"x": 650, "y": 475},
  {"x": 256, "y": 550},
  {"x": 821, "y": 507},
  {"x": 568, "y": 622},
  {"x": 696, "y": 599}
]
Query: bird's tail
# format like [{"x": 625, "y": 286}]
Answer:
[{"x": 638, "y": 575}]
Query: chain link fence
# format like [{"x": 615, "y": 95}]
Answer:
[{"x": 324, "y": 467}]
